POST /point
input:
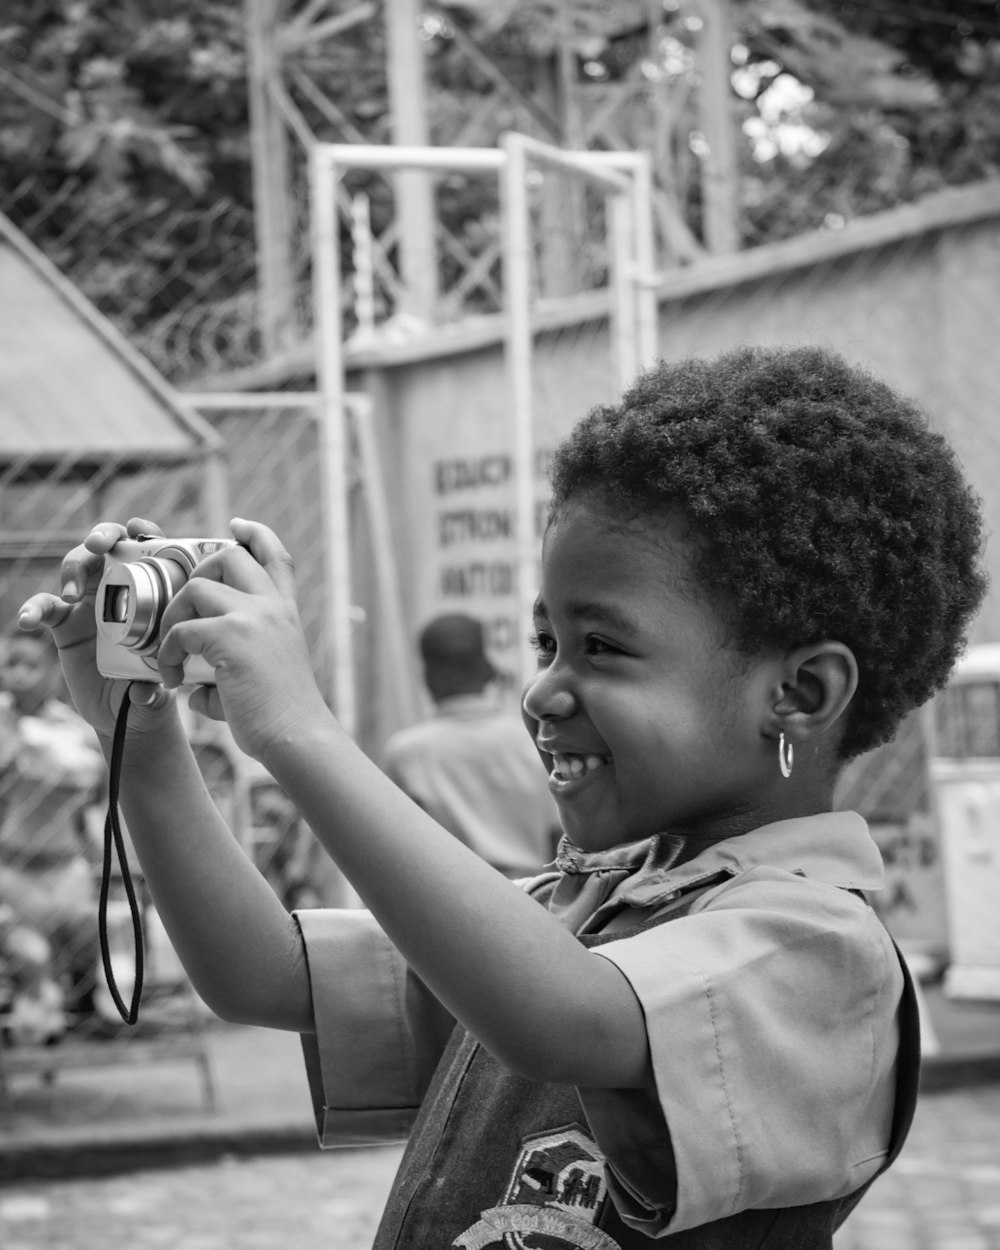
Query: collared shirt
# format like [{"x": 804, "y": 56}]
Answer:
[
  {"x": 770, "y": 1010},
  {"x": 473, "y": 767}
]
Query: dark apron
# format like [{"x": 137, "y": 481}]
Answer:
[{"x": 497, "y": 1161}]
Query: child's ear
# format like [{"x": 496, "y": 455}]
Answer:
[{"x": 817, "y": 683}]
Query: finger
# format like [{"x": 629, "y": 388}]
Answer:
[
  {"x": 205, "y": 699},
  {"x": 146, "y": 694},
  {"x": 68, "y": 623},
  {"x": 235, "y": 567},
  {"x": 258, "y": 563},
  {"x": 103, "y": 537},
  {"x": 138, "y": 527},
  {"x": 199, "y": 599},
  {"x": 267, "y": 549},
  {"x": 82, "y": 566},
  {"x": 87, "y": 562},
  {"x": 189, "y": 637},
  {"x": 41, "y": 610}
]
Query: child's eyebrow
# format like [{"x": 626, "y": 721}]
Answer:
[{"x": 597, "y": 613}]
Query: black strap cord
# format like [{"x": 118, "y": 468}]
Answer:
[{"x": 113, "y": 833}]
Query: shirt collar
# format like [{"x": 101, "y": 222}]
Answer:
[{"x": 832, "y": 847}]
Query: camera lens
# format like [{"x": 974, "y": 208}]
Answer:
[
  {"x": 116, "y": 602},
  {"x": 135, "y": 594}
]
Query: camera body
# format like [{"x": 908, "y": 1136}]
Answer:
[{"x": 141, "y": 576}]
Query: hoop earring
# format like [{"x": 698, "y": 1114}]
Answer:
[{"x": 786, "y": 756}]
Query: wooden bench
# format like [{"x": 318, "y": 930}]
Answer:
[{"x": 180, "y": 1040}]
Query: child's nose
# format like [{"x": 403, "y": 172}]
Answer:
[{"x": 546, "y": 697}]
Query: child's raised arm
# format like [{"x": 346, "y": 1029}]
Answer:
[
  {"x": 241, "y": 949},
  {"x": 518, "y": 980}
]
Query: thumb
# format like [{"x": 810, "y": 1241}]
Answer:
[{"x": 149, "y": 695}]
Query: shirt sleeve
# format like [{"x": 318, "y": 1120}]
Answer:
[
  {"x": 379, "y": 1031},
  {"x": 771, "y": 1018}
]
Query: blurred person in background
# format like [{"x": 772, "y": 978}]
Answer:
[
  {"x": 471, "y": 765},
  {"x": 31, "y": 1003},
  {"x": 52, "y": 768}
]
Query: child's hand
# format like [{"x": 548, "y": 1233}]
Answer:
[
  {"x": 238, "y": 612},
  {"x": 70, "y": 618}
]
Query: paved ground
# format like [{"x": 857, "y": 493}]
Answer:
[
  {"x": 943, "y": 1194},
  {"x": 128, "y": 1155},
  {"x": 944, "y": 1191},
  {"x": 123, "y": 1112},
  {"x": 312, "y": 1201}
]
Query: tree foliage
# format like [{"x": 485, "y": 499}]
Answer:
[
  {"x": 116, "y": 115},
  {"x": 124, "y": 123},
  {"x": 902, "y": 98}
]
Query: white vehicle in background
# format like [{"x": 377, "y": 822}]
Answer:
[{"x": 965, "y": 782}]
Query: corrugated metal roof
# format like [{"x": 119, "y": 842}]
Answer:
[{"x": 71, "y": 386}]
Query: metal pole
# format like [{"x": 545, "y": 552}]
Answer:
[
  {"x": 719, "y": 164},
  {"x": 215, "y": 482},
  {"x": 622, "y": 329},
  {"x": 387, "y": 580},
  {"x": 364, "y": 270},
  {"x": 269, "y": 152},
  {"x": 415, "y": 211},
  {"x": 517, "y": 285},
  {"x": 600, "y": 171},
  {"x": 378, "y": 156},
  {"x": 645, "y": 279},
  {"x": 332, "y": 434},
  {"x": 242, "y": 400},
  {"x": 644, "y": 256}
]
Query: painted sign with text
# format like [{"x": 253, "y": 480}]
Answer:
[{"x": 473, "y": 562}]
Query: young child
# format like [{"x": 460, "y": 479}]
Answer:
[
  {"x": 753, "y": 568},
  {"x": 51, "y": 769}
]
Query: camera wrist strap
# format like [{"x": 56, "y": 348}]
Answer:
[{"x": 113, "y": 834}]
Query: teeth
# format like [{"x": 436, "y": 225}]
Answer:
[{"x": 570, "y": 767}]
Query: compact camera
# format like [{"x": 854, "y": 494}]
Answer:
[{"x": 141, "y": 576}]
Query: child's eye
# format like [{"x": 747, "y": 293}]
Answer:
[
  {"x": 598, "y": 646},
  {"x": 542, "y": 643}
]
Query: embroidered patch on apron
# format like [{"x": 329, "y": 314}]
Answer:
[{"x": 553, "y": 1200}]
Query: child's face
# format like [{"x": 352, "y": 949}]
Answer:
[
  {"x": 27, "y": 671},
  {"x": 649, "y": 720}
]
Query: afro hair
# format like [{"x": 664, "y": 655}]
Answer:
[{"x": 824, "y": 508}]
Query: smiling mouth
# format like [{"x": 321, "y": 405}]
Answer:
[{"x": 566, "y": 768}]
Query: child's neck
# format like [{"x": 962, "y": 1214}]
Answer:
[{"x": 793, "y": 800}]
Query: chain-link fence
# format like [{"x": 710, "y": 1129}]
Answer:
[
  {"x": 57, "y": 1014},
  {"x": 54, "y": 997}
]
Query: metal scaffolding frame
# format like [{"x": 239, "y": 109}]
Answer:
[{"x": 625, "y": 180}]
